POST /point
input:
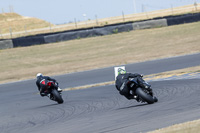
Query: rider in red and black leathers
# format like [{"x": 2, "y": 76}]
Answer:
[
  {"x": 42, "y": 81},
  {"x": 122, "y": 83}
]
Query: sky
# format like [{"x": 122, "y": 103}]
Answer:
[{"x": 65, "y": 11}]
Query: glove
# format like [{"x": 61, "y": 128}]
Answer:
[
  {"x": 137, "y": 74},
  {"x": 56, "y": 83}
]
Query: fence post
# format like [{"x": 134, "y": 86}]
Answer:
[
  {"x": 85, "y": 16},
  {"x": 75, "y": 22},
  {"x": 13, "y": 10},
  {"x": 134, "y": 4},
  {"x": 1, "y": 34},
  {"x": 10, "y": 8},
  {"x": 97, "y": 23},
  {"x": 10, "y": 32},
  {"x": 146, "y": 12},
  {"x": 50, "y": 27},
  {"x": 123, "y": 16},
  {"x": 25, "y": 30},
  {"x": 172, "y": 9},
  {"x": 142, "y": 8},
  {"x": 195, "y": 5}
]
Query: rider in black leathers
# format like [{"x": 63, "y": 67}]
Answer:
[
  {"x": 42, "y": 81},
  {"x": 122, "y": 83}
]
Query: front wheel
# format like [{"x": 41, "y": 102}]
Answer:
[
  {"x": 155, "y": 99},
  {"x": 146, "y": 97},
  {"x": 57, "y": 96}
]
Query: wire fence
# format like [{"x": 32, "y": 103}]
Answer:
[{"x": 101, "y": 22}]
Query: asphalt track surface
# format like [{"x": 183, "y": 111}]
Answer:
[{"x": 101, "y": 109}]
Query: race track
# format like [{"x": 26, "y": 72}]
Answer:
[{"x": 99, "y": 109}]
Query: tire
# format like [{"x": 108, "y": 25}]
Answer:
[
  {"x": 146, "y": 97},
  {"x": 155, "y": 99},
  {"x": 57, "y": 96}
]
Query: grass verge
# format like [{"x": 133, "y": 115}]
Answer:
[
  {"x": 98, "y": 52},
  {"x": 188, "y": 127}
]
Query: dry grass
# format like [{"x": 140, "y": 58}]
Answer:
[
  {"x": 98, "y": 52},
  {"x": 188, "y": 127},
  {"x": 15, "y": 22},
  {"x": 36, "y": 26}
]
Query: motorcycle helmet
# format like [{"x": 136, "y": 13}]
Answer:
[
  {"x": 39, "y": 75},
  {"x": 121, "y": 71}
]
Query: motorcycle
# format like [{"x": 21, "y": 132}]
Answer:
[
  {"x": 53, "y": 93},
  {"x": 143, "y": 92}
]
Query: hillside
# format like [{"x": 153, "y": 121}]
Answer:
[{"x": 19, "y": 23}]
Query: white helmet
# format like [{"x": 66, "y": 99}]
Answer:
[{"x": 39, "y": 75}]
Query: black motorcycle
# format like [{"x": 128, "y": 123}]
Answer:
[
  {"x": 53, "y": 93},
  {"x": 143, "y": 92}
]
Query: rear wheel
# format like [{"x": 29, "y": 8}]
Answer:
[
  {"x": 145, "y": 96},
  {"x": 57, "y": 96}
]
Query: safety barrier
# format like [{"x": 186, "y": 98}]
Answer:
[
  {"x": 150, "y": 24},
  {"x": 4, "y": 44},
  {"x": 98, "y": 31},
  {"x": 88, "y": 33},
  {"x": 28, "y": 41},
  {"x": 188, "y": 18}
]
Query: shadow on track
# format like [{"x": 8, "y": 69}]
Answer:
[{"x": 133, "y": 106}]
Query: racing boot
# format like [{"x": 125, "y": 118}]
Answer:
[
  {"x": 43, "y": 93},
  {"x": 59, "y": 90}
]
